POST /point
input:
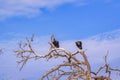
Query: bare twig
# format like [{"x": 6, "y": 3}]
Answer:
[
  {"x": 78, "y": 69},
  {"x": 108, "y": 70}
]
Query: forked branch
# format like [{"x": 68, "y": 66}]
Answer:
[{"x": 77, "y": 69}]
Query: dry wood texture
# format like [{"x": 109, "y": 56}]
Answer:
[{"x": 78, "y": 69}]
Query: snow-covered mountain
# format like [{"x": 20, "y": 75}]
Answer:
[{"x": 112, "y": 35}]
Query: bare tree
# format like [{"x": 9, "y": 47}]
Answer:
[{"x": 79, "y": 68}]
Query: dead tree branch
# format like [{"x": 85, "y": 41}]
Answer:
[
  {"x": 78, "y": 69},
  {"x": 108, "y": 70}
]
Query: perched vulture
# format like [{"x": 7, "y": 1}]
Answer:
[
  {"x": 79, "y": 44},
  {"x": 55, "y": 42}
]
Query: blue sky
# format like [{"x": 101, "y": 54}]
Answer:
[
  {"x": 96, "y": 22},
  {"x": 75, "y": 19}
]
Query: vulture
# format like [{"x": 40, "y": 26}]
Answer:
[
  {"x": 79, "y": 44},
  {"x": 55, "y": 42}
]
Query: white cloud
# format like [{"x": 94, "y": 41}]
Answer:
[
  {"x": 28, "y": 8},
  {"x": 97, "y": 47}
]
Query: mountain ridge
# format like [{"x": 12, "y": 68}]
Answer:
[{"x": 111, "y": 35}]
